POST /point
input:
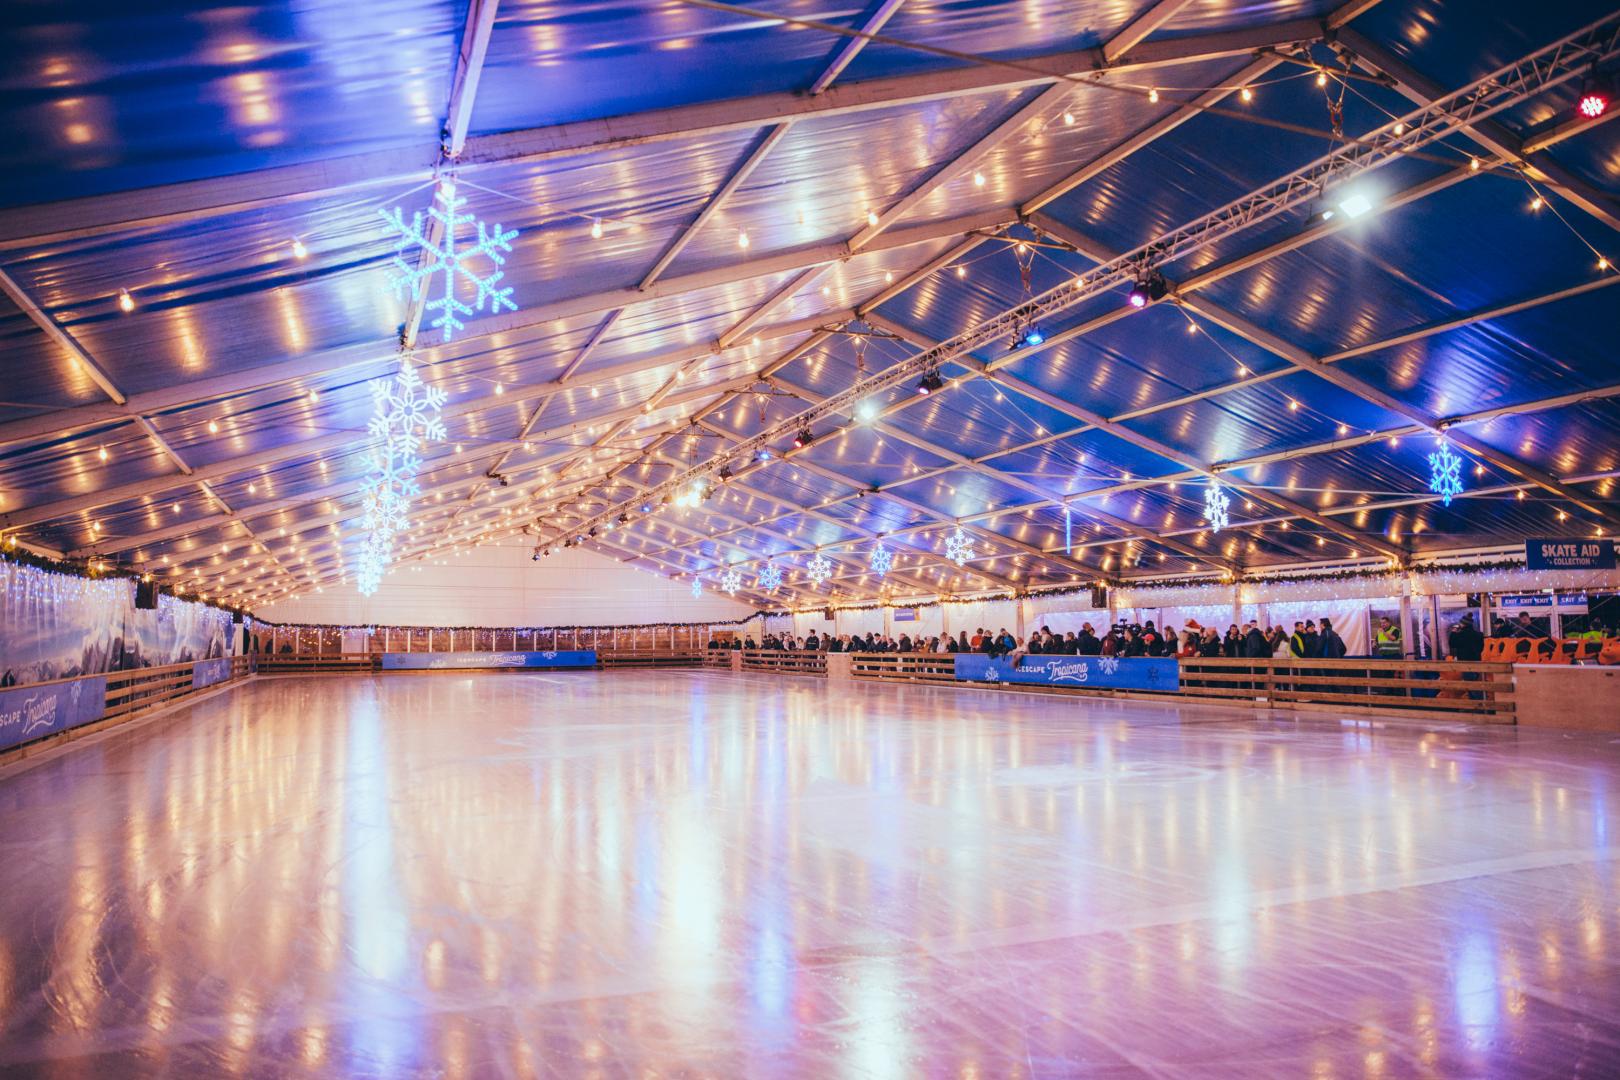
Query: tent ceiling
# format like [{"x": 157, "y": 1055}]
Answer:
[{"x": 216, "y": 433}]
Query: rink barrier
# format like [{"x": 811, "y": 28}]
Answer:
[
  {"x": 1418, "y": 688},
  {"x": 365, "y": 663},
  {"x": 51, "y": 713}
]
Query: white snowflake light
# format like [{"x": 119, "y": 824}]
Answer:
[
  {"x": 406, "y": 413},
  {"x": 819, "y": 568},
  {"x": 731, "y": 580},
  {"x": 770, "y": 578},
  {"x": 1217, "y": 507},
  {"x": 439, "y": 254},
  {"x": 697, "y": 587},
  {"x": 959, "y": 546},
  {"x": 882, "y": 559},
  {"x": 1445, "y": 472}
]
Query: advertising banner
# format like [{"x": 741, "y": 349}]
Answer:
[
  {"x": 32, "y": 712},
  {"x": 1108, "y": 672},
  {"x": 208, "y": 672},
  {"x": 451, "y": 661},
  {"x": 1569, "y": 554}
]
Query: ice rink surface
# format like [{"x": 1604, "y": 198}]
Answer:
[{"x": 689, "y": 873}]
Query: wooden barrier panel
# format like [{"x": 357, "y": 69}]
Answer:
[
  {"x": 1480, "y": 691},
  {"x": 799, "y": 663},
  {"x": 910, "y": 667}
]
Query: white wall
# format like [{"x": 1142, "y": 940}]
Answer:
[{"x": 500, "y": 585}]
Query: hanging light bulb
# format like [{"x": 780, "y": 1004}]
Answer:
[
  {"x": 126, "y": 302},
  {"x": 1153, "y": 95},
  {"x": 742, "y": 239},
  {"x": 872, "y": 218},
  {"x": 299, "y": 250},
  {"x": 978, "y": 178},
  {"x": 1068, "y": 119},
  {"x": 596, "y": 229},
  {"x": 1246, "y": 94}
]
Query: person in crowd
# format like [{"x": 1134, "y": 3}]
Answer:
[
  {"x": 1387, "y": 640},
  {"x": 1071, "y": 644},
  {"x": 1296, "y": 641},
  {"x": 1524, "y": 628},
  {"x": 1330, "y": 646},
  {"x": 1467, "y": 643},
  {"x": 1232, "y": 645},
  {"x": 1278, "y": 637},
  {"x": 1189, "y": 645},
  {"x": 1313, "y": 640},
  {"x": 1152, "y": 643},
  {"x": 978, "y": 639},
  {"x": 1255, "y": 646},
  {"x": 1005, "y": 642},
  {"x": 714, "y": 643},
  {"x": 962, "y": 642},
  {"x": 1211, "y": 645}
]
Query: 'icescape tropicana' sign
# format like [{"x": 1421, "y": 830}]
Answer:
[
  {"x": 33, "y": 712},
  {"x": 451, "y": 661},
  {"x": 1108, "y": 672}
]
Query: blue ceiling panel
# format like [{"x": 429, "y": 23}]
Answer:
[
  {"x": 1544, "y": 352},
  {"x": 105, "y": 97}
]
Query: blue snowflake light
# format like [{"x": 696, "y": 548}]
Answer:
[
  {"x": 882, "y": 559},
  {"x": 1445, "y": 471},
  {"x": 439, "y": 255},
  {"x": 406, "y": 412},
  {"x": 959, "y": 546},
  {"x": 770, "y": 578},
  {"x": 731, "y": 580},
  {"x": 1217, "y": 507},
  {"x": 697, "y": 587},
  {"x": 819, "y": 568}
]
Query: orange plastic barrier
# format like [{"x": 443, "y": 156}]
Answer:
[{"x": 1609, "y": 654}]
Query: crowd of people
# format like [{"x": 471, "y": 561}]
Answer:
[{"x": 1308, "y": 641}]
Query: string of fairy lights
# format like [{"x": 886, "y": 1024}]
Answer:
[{"x": 407, "y": 411}]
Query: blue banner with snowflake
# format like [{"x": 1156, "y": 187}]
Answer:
[
  {"x": 456, "y": 661},
  {"x": 1106, "y": 672}
]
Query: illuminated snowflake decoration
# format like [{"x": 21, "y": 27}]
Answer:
[
  {"x": 1445, "y": 472},
  {"x": 882, "y": 559},
  {"x": 697, "y": 587},
  {"x": 770, "y": 578},
  {"x": 406, "y": 413},
  {"x": 959, "y": 546},
  {"x": 731, "y": 580},
  {"x": 1217, "y": 507},
  {"x": 819, "y": 568},
  {"x": 435, "y": 235}
]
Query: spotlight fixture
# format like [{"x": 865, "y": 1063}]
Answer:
[
  {"x": 1596, "y": 94},
  {"x": 646, "y": 508},
  {"x": 1028, "y": 339},
  {"x": 724, "y": 474},
  {"x": 1150, "y": 288},
  {"x": 929, "y": 382},
  {"x": 624, "y": 519},
  {"x": 804, "y": 438},
  {"x": 762, "y": 456}
]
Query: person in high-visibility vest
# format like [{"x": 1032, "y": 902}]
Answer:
[{"x": 1388, "y": 645}]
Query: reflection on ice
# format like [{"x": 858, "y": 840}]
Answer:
[{"x": 696, "y": 873}]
